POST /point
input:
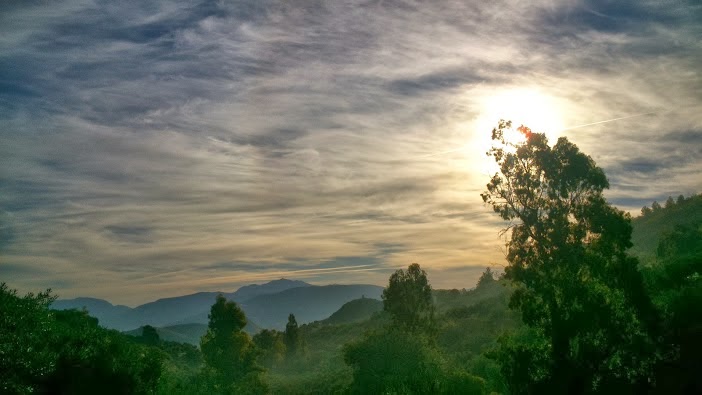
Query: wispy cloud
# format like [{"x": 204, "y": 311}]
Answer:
[{"x": 144, "y": 144}]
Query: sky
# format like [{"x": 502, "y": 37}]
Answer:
[{"x": 154, "y": 149}]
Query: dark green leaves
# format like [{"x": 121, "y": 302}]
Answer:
[
  {"x": 567, "y": 258},
  {"x": 408, "y": 299}
]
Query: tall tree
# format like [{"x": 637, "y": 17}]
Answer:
[
  {"x": 292, "y": 336},
  {"x": 408, "y": 299},
  {"x": 575, "y": 284},
  {"x": 229, "y": 352},
  {"x": 150, "y": 335},
  {"x": 486, "y": 278}
]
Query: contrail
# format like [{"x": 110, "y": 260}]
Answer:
[
  {"x": 605, "y": 121},
  {"x": 441, "y": 152}
]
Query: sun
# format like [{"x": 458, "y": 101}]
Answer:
[{"x": 523, "y": 106}]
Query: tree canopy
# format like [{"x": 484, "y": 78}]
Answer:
[
  {"x": 229, "y": 352},
  {"x": 292, "y": 336},
  {"x": 66, "y": 352},
  {"x": 575, "y": 284},
  {"x": 487, "y": 278},
  {"x": 408, "y": 299}
]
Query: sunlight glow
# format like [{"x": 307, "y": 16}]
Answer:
[
  {"x": 527, "y": 107},
  {"x": 523, "y": 106}
]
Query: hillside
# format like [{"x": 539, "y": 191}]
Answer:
[
  {"x": 469, "y": 322},
  {"x": 355, "y": 311},
  {"x": 109, "y": 315},
  {"x": 168, "y": 311},
  {"x": 307, "y": 303},
  {"x": 648, "y": 227}
]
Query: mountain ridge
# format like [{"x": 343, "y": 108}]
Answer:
[{"x": 268, "y": 305}]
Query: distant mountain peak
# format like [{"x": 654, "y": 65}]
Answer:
[
  {"x": 250, "y": 291},
  {"x": 281, "y": 280}
]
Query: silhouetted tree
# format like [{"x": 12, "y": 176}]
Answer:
[
  {"x": 229, "y": 352},
  {"x": 669, "y": 203},
  {"x": 645, "y": 210},
  {"x": 408, "y": 299},
  {"x": 150, "y": 335},
  {"x": 681, "y": 199},
  {"x": 575, "y": 285},
  {"x": 655, "y": 206},
  {"x": 292, "y": 336},
  {"x": 486, "y": 278}
]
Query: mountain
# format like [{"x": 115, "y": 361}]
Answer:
[
  {"x": 169, "y": 311},
  {"x": 355, "y": 311},
  {"x": 109, "y": 315},
  {"x": 266, "y": 304},
  {"x": 251, "y": 291},
  {"x": 308, "y": 304}
]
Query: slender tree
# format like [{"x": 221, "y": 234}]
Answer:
[
  {"x": 229, "y": 351},
  {"x": 292, "y": 336}
]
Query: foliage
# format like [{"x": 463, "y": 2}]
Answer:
[
  {"x": 396, "y": 361},
  {"x": 271, "y": 347},
  {"x": 93, "y": 358},
  {"x": 25, "y": 355},
  {"x": 67, "y": 352},
  {"x": 408, "y": 299},
  {"x": 392, "y": 362},
  {"x": 229, "y": 352},
  {"x": 653, "y": 224},
  {"x": 405, "y": 356},
  {"x": 486, "y": 278},
  {"x": 676, "y": 285},
  {"x": 575, "y": 285},
  {"x": 292, "y": 336},
  {"x": 150, "y": 335}
]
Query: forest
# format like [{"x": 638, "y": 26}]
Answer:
[{"x": 587, "y": 301}]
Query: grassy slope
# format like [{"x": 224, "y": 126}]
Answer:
[{"x": 354, "y": 311}]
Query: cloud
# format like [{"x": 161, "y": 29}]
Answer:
[{"x": 149, "y": 146}]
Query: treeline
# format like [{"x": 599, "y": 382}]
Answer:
[
  {"x": 671, "y": 205},
  {"x": 66, "y": 351}
]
